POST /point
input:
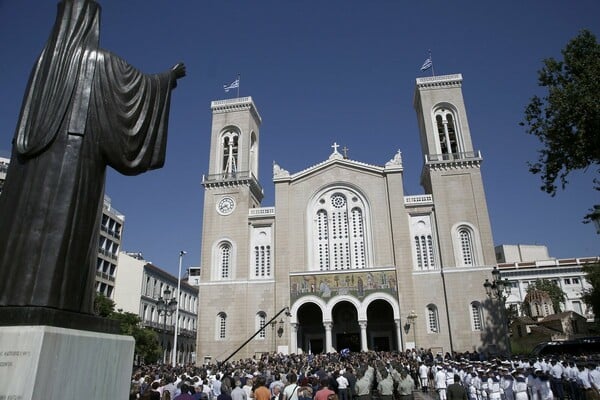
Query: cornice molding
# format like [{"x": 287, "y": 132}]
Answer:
[
  {"x": 232, "y": 105},
  {"x": 442, "y": 81}
]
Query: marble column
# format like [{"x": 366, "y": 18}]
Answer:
[
  {"x": 294, "y": 338},
  {"x": 328, "y": 342},
  {"x": 399, "y": 334},
  {"x": 363, "y": 336}
]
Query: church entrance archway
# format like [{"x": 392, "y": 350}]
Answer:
[
  {"x": 345, "y": 330},
  {"x": 381, "y": 332},
  {"x": 311, "y": 333}
]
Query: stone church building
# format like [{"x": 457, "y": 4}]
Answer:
[{"x": 345, "y": 259}]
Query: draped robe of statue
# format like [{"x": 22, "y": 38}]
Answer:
[{"x": 84, "y": 109}]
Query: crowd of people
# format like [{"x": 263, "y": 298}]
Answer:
[{"x": 373, "y": 376}]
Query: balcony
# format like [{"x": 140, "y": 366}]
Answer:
[
  {"x": 108, "y": 254},
  {"x": 261, "y": 212},
  {"x": 464, "y": 156},
  {"x": 110, "y": 232},
  {"x": 418, "y": 200},
  {"x": 227, "y": 179},
  {"x": 105, "y": 276}
]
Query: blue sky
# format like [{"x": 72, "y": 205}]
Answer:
[{"x": 325, "y": 71}]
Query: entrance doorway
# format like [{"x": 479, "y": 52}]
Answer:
[
  {"x": 381, "y": 329},
  {"x": 311, "y": 333},
  {"x": 345, "y": 330},
  {"x": 315, "y": 346},
  {"x": 348, "y": 341},
  {"x": 381, "y": 343}
]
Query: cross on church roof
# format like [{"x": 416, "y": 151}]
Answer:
[
  {"x": 335, "y": 147},
  {"x": 345, "y": 150}
]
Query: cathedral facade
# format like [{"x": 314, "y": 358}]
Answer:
[{"x": 345, "y": 259}]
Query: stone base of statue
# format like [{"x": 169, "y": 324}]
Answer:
[
  {"x": 52, "y": 363},
  {"x": 35, "y": 315}
]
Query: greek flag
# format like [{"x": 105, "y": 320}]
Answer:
[
  {"x": 345, "y": 352},
  {"x": 427, "y": 64},
  {"x": 232, "y": 85}
]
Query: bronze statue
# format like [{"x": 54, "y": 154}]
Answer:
[{"x": 84, "y": 109}]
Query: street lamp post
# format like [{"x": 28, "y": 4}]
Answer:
[
  {"x": 411, "y": 320},
  {"x": 166, "y": 305},
  {"x": 280, "y": 329},
  {"x": 499, "y": 289},
  {"x": 279, "y": 332},
  {"x": 181, "y": 254}
]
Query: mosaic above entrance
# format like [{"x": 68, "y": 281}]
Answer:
[{"x": 357, "y": 284}]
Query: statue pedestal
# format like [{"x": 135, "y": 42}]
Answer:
[{"x": 51, "y": 363}]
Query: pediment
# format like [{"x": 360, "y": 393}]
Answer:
[{"x": 337, "y": 160}]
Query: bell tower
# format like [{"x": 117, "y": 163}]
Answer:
[
  {"x": 237, "y": 266},
  {"x": 231, "y": 189},
  {"x": 452, "y": 173},
  {"x": 234, "y": 141}
]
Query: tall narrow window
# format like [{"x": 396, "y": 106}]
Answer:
[
  {"x": 443, "y": 140},
  {"x": 466, "y": 245},
  {"x": 221, "y": 325},
  {"x": 432, "y": 319},
  {"x": 447, "y": 132},
  {"x": 430, "y": 251},
  {"x": 418, "y": 252},
  {"x": 261, "y": 319},
  {"x": 230, "y": 152},
  {"x": 253, "y": 154},
  {"x": 340, "y": 256},
  {"x": 452, "y": 133},
  {"x": 323, "y": 239},
  {"x": 357, "y": 238},
  {"x": 476, "y": 316},
  {"x": 224, "y": 260}
]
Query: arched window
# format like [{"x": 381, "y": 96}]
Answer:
[
  {"x": 466, "y": 245},
  {"x": 221, "y": 325},
  {"x": 447, "y": 132},
  {"x": 339, "y": 230},
  {"x": 476, "y": 316},
  {"x": 148, "y": 287},
  {"x": 229, "y": 145},
  {"x": 261, "y": 320},
  {"x": 224, "y": 260},
  {"x": 433, "y": 325},
  {"x": 253, "y": 154}
]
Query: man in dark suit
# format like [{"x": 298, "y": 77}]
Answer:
[{"x": 456, "y": 391}]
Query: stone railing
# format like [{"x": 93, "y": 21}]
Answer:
[
  {"x": 261, "y": 212},
  {"x": 418, "y": 199},
  {"x": 464, "y": 156}
]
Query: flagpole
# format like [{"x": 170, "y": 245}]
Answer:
[
  {"x": 238, "y": 88},
  {"x": 431, "y": 58}
]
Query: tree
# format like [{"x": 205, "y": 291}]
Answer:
[
  {"x": 554, "y": 291},
  {"x": 591, "y": 297},
  {"x": 103, "y": 306},
  {"x": 567, "y": 119},
  {"x": 146, "y": 340}
]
